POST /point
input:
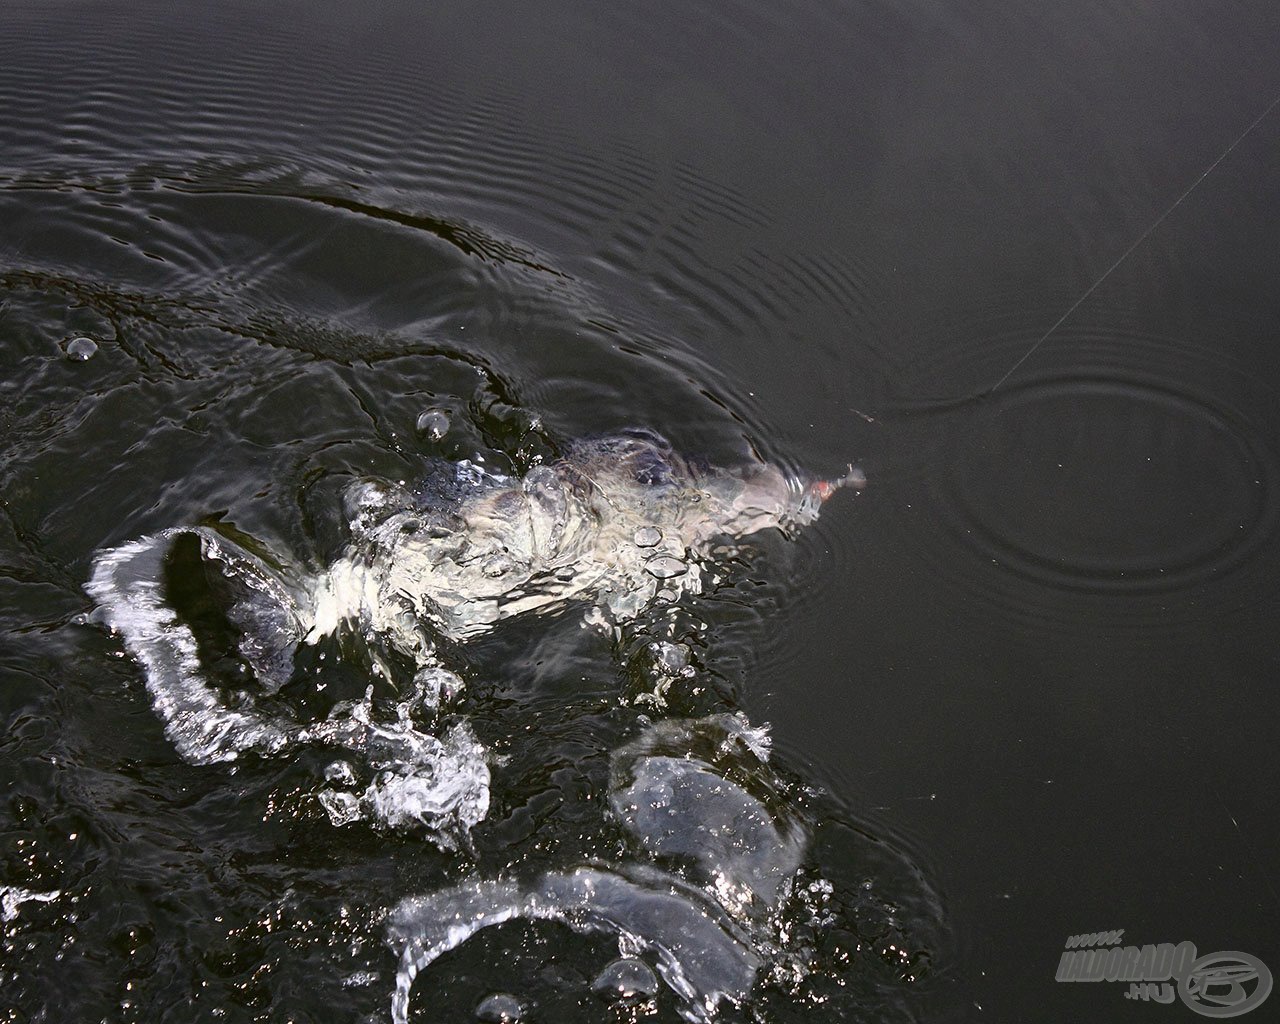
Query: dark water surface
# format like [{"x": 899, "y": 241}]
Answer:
[{"x": 1029, "y": 673}]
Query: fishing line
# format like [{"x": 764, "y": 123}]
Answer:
[{"x": 1140, "y": 239}]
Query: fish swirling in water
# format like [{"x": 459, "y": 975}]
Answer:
[{"x": 618, "y": 523}]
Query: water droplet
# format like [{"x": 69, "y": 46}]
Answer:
[
  {"x": 433, "y": 424},
  {"x": 626, "y": 978},
  {"x": 499, "y": 1008},
  {"x": 436, "y": 685},
  {"x": 80, "y": 349},
  {"x": 670, "y": 658},
  {"x": 664, "y": 567},
  {"x": 342, "y": 808},
  {"x": 340, "y": 772},
  {"x": 648, "y": 537}
]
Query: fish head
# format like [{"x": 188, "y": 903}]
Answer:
[
  {"x": 745, "y": 501},
  {"x": 637, "y": 481},
  {"x": 610, "y": 520}
]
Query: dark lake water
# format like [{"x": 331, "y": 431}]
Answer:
[{"x": 1023, "y": 686}]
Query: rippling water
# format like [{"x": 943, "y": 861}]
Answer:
[{"x": 1021, "y": 687}]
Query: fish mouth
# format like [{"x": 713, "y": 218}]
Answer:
[
  {"x": 853, "y": 478},
  {"x": 808, "y": 496}
]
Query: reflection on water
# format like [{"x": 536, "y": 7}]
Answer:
[{"x": 269, "y": 271}]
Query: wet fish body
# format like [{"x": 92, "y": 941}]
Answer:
[{"x": 614, "y": 522}]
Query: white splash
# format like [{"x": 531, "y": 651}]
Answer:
[
  {"x": 438, "y": 784},
  {"x": 12, "y": 897},
  {"x": 126, "y": 583},
  {"x": 703, "y": 956},
  {"x": 717, "y": 847}
]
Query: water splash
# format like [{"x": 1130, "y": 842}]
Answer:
[
  {"x": 717, "y": 843},
  {"x": 127, "y": 584},
  {"x": 703, "y": 957},
  {"x": 438, "y": 784},
  {"x": 699, "y": 797},
  {"x": 12, "y": 897},
  {"x": 614, "y": 522}
]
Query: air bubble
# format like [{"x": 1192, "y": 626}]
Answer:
[
  {"x": 647, "y": 537},
  {"x": 499, "y": 1008},
  {"x": 664, "y": 567},
  {"x": 80, "y": 349},
  {"x": 433, "y": 424},
  {"x": 626, "y": 978}
]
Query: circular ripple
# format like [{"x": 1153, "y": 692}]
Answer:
[
  {"x": 1124, "y": 477},
  {"x": 1108, "y": 484}
]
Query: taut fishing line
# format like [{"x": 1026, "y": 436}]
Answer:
[{"x": 1137, "y": 242}]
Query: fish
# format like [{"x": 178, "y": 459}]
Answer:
[
  {"x": 616, "y": 523},
  {"x": 713, "y": 838}
]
